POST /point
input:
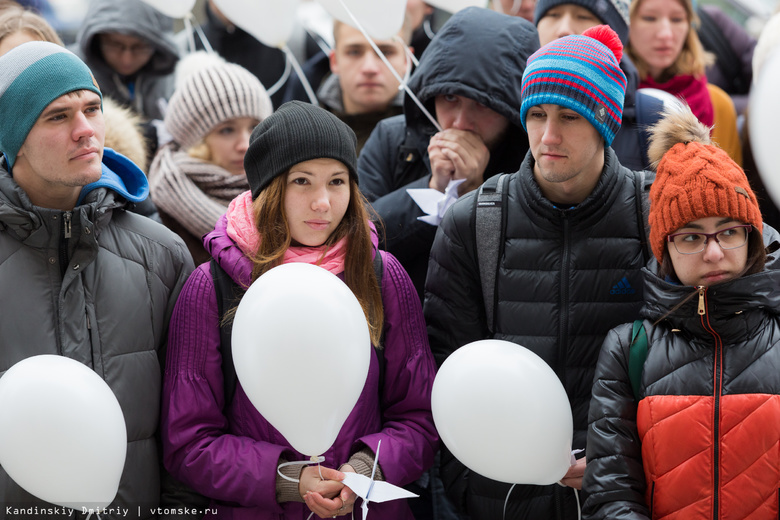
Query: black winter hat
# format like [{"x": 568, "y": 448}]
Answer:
[
  {"x": 611, "y": 12},
  {"x": 297, "y": 132}
]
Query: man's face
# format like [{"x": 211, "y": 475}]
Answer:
[
  {"x": 462, "y": 113},
  {"x": 564, "y": 20},
  {"x": 566, "y": 147},
  {"x": 521, "y": 8},
  {"x": 367, "y": 84},
  {"x": 125, "y": 54},
  {"x": 64, "y": 150}
]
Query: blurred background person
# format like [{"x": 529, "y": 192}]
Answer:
[
  {"x": 521, "y": 8},
  {"x": 669, "y": 56},
  {"x": 129, "y": 47},
  {"x": 211, "y": 115}
]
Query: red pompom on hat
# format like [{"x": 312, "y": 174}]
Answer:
[{"x": 608, "y": 37}]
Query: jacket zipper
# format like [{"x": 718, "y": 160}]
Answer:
[
  {"x": 66, "y": 235},
  {"x": 563, "y": 335},
  {"x": 717, "y": 388}
]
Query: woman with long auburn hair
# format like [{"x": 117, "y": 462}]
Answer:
[{"x": 303, "y": 205}]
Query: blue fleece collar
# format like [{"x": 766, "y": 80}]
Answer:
[{"x": 120, "y": 175}]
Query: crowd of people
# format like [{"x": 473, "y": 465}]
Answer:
[{"x": 604, "y": 212}]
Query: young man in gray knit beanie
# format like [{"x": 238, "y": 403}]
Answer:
[{"x": 82, "y": 277}]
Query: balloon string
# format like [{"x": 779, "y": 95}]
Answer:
[
  {"x": 190, "y": 41},
  {"x": 409, "y": 56},
  {"x": 507, "y": 499},
  {"x": 579, "y": 510},
  {"x": 319, "y": 40},
  {"x": 205, "y": 41},
  {"x": 313, "y": 460},
  {"x": 391, "y": 68},
  {"x": 297, "y": 67},
  {"x": 428, "y": 29},
  {"x": 276, "y": 86},
  {"x": 516, "y": 7}
]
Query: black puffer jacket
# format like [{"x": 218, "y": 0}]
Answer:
[
  {"x": 478, "y": 54},
  {"x": 715, "y": 377},
  {"x": 565, "y": 278}
]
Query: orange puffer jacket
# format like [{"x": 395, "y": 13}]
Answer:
[{"x": 704, "y": 440}]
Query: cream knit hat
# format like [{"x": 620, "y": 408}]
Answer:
[{"x": 210, "y": 91}]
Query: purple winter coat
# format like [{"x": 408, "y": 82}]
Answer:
[{"x": 233, "y": 459}]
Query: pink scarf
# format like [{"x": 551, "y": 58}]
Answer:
[
  {"x": 241, "y": 229},
  {"x": 692, "y": 89}
]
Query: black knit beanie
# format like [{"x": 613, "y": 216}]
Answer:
[
  {"x": 297, "y": 132},
  {"x": 611, "y": 12}
]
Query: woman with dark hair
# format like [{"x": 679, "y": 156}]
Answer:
[
  {"x": 303, "y": 205},
  {"x": 685, "y": 416}
]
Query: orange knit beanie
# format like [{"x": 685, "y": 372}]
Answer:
[{"x": 694, "y": 179}]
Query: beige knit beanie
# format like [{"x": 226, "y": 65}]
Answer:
[{"x": 209, "y": 92}]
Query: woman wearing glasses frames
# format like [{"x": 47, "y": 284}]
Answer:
[{"x": 685, "y": 416}]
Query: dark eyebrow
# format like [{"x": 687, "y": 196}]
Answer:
[{"x": 54, "y": 111}]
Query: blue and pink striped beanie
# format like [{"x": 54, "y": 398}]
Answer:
[{"x": 582, "y": 73}]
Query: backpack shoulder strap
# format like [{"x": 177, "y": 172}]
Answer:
[
  {"x": 642, "y": 181},
  {"x": 637, "y": 355},
  {"x": 490, "y": 220},
  {"x": 228, "y": 293}
]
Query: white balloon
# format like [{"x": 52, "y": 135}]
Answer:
[
  {"x": 382, "y": 19},
  {"x": 63, "y": 435},
  {"x": 453, "y": 6},
  {"x": 173, "y": 8},
  {"x": 502, "y": 411},
  {"x": 270, "y": 21},
  {"x": 302, "y": 348},
  {"x": 762, "y": 122}
]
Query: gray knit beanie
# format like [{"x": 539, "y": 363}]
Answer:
[
  {"x": 611, "y": 12},
  {"x": 33, "y": 75},
  {"x": 210, "y": 95},
  {"x": 297, "y": 132}
]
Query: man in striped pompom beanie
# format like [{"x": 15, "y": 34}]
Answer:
[
  {"x": 549, "y": 257},
  {"x": 581, "y": 73}
]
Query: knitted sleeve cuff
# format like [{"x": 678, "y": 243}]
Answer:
[
  {"x": 363, "y": 461},
  {"x": 287, "y": 491}
]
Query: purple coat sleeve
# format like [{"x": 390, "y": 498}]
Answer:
[
  {"x": 197, "y": 448},
  {"x": 409, "y": 438}
]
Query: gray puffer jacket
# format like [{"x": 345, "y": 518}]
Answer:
[
  {"x": 154, "y": 82},
  {"x": 565, "y": 278},
  {"x": 107, "y": 307}
]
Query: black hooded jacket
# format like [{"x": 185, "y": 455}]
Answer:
[
  {"x": 478, "y": 54},
  {"x": 565, "y": 277}
]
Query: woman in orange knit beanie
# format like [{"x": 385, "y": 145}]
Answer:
[{"x": 685, "y": 416}]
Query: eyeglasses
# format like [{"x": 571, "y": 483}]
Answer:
[
  {"x": 137, "y": 49},
  {"x": 692, "y": 243}
]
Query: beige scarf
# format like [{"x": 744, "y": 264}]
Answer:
[{"x": 193, "y": 192}]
